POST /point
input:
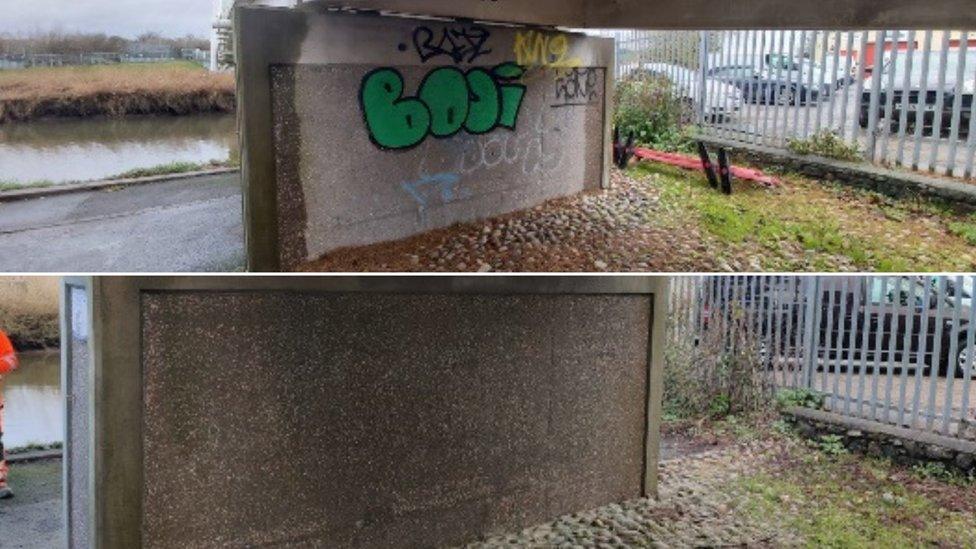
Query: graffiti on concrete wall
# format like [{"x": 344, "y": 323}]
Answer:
[
  {"x": 577, "y": 87},
  {"x": 448, "y": 101},
  {"x": 469, "y": 104},
  {"x": 464, "y": 44},
  {"x": 544, "y": 49},
  {"x": 441, "y": 175}
]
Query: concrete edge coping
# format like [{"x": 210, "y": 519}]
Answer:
[
  {"x": 36, "y": 455},
  {"x": 905, "y": 433},
  {"x": 947, "y": 189},
  {"x": 67, "y": 188}
]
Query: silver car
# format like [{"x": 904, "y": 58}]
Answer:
[{"x": 722, "y": 100}]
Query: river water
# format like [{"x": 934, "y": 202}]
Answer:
[
  {"x": 64, "y": 150},
  {"x": 32, "y": 401}
]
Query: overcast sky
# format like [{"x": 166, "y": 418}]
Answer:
[{"x": 127, "y": 18}]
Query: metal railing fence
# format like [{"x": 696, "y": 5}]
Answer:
[
  {"x": 901, "y": 98},
  {"x": 897, "y": 350}
]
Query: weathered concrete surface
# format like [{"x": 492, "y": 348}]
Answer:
[
  {"x": 696, "y": 14},
  {"x": 377, "y": 420},
  {"x": 79, "y": 405},
  {"x": 185, "y": 225},
  {"x": 382, "y": 128}
]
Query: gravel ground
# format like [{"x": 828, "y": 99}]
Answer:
[
  {"x": 697, "y": 508},
  {"x": 661, "y": 219},
  {"x": 595, "y": 231}
]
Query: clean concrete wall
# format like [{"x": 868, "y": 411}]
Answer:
[
  {"x": 386, "y": 420},
  {"x": 338, "y": 181}
]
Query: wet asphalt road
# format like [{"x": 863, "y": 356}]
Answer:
[{"x": 184, "y": 225}]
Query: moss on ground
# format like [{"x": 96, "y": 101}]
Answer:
[{"x": 809, "y": 224}]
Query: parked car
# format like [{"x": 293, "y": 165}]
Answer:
[
  {"x": 771, "y": 86},
  {"x": 723, "y": 100},
  {"x": 835, "y": 78},
  {"x": 895, "y": 311},
  {"x": 952, "y": 92},
  {"x": 898, "y": 314}
]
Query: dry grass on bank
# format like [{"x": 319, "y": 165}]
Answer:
[
  {"x": 114, "y": 90},
  {"x": 29, "y": 309}
]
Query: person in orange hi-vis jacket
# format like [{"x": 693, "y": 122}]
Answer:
[{"x": 8, "y": 363}]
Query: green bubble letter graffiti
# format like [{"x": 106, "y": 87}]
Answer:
[
  {"x": 445, "y": 92},
  {"x": 486, "y": 102},
  {"x": 512, "y": 94},
  {"x": 449, "y": 100},
  {"x": 394, "y": 122}
]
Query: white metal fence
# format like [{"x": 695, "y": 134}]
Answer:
[
  {"x": 903, "y": 98},
  {"x": 893, "y": 349}
]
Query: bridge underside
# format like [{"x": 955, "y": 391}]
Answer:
[{"x": 693, "y": 14}]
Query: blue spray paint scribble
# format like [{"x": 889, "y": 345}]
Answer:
[{"x": 445, "y": 183}]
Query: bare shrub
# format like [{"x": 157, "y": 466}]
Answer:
[{"x": 720, "y": 374}]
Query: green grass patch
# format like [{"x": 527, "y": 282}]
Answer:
[
  {"x": 965, "y": 229},
  {"x": 809, "y": 224},
  {"x": 17, "y": 186},
  {"x": 166, "y": 169},
  {"x": 852, "y": 501},
  {"x": 173, "y": 168}
]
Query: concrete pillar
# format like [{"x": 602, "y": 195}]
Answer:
[{"x": 358, "y": 129}]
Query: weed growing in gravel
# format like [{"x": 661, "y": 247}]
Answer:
[{"x": 826, "y": 143}]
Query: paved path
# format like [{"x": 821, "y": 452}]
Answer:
[
  {"x": 184, "y": 225},
  {"x": 33, "y": 518}
]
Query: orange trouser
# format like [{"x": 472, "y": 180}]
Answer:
[{"x": 3, "y": 455}]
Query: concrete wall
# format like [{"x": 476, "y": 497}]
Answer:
[
  {"x": 381, "y": 421},
  {"x": 368, "y": 413},
  {"x": 382, "y": 128}
]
